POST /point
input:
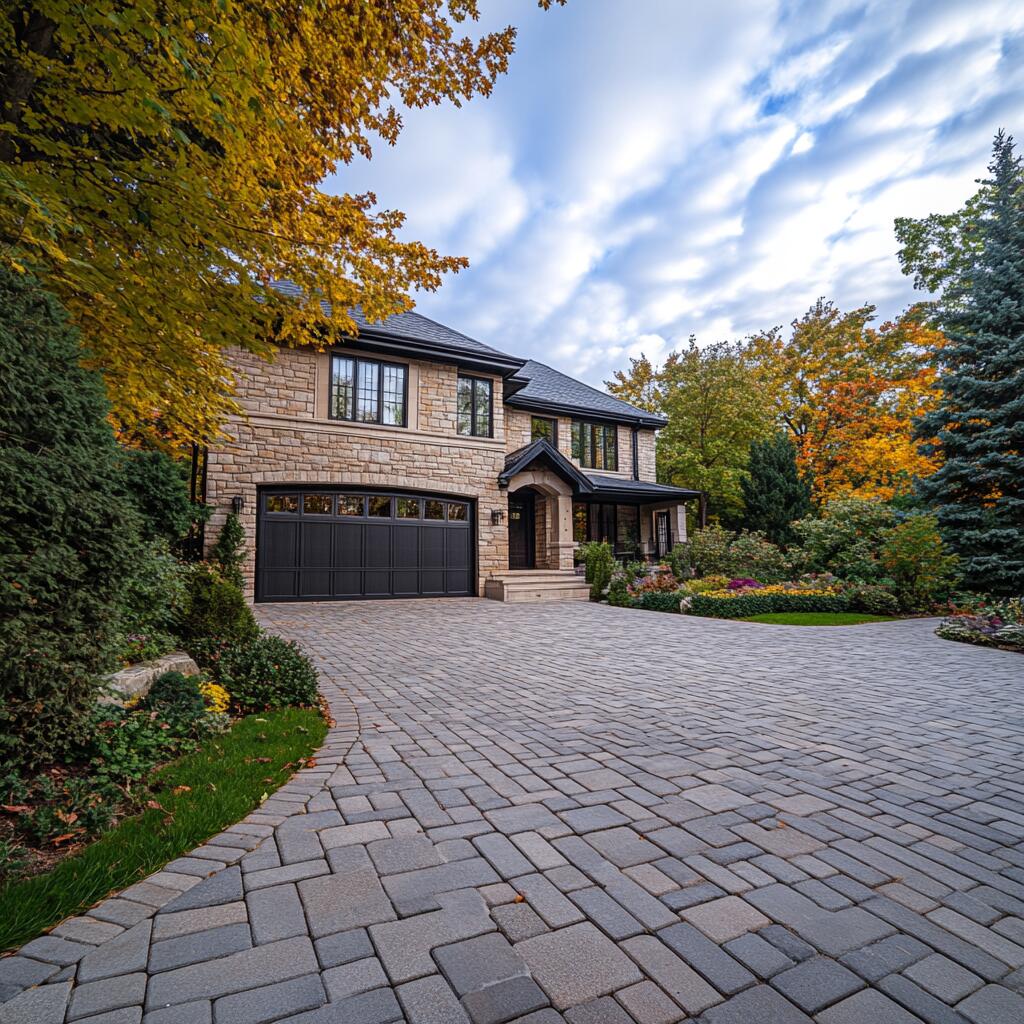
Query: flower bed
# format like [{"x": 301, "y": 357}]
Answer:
[{"x": 992, "y": 629}]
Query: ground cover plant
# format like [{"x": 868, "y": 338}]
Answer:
[{"x": 185, "y": 803}]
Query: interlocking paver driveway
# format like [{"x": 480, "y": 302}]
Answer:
[{"x": 550, "y": 813}]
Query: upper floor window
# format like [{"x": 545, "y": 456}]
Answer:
[
  {"x": 542, "y": 426},
  {"x": 368, "y": 391},
  {"x": 475, "y": 406},
  {"x": 595, "y": 445}
]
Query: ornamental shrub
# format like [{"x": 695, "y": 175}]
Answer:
[
  {"x": 266, "y": 672},
  {"x": 913, "y": 554},
  {"x": 762, "y": 602},
  {"x": 873, "y": 599},
  {"x": 707, "y": 552},
  {"x": 600, "y": 562},
  {"x": 660, "y": 600},
  {"x": 713, "y": 550},
  {"x": 846, "y": 539},
  {"x": 152, "y": 597},
  {"x": 68, "y": 532},
  {"x": 229, "y": 551},
  {"x": 213, "y": 609}
]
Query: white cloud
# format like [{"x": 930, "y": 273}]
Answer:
[{"x": 644, "y": 173}]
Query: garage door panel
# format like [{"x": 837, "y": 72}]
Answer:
[
  {"x": 316, "y": 544},
  {"x": 377, "y": 553},
  {"x": 348, "y": 545}
]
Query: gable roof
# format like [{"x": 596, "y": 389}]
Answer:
[
  {"x": 547, "y": 389},
  {"x": 543, "y": 451}
]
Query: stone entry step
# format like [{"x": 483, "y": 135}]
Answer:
[{"x": 536, "y": 585}]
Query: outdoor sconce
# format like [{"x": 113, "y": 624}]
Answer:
[
  {"x": 497, "y": 516},
  {"x": 237, "y": 504}
]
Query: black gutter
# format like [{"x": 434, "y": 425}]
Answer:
[
  {"x": 486, "y": 362},
  {"x": 600, "y": 415}
]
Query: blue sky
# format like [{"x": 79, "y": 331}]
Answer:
[{"x": 650, "y": 169}]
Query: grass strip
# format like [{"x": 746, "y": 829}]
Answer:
[
  {"x": 817, "y": 618},
  {"x": 193, "y": 798}
]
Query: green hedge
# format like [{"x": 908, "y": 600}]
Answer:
[
  {"x": 659, "y": 601},
  {"x": 762, "y": 604}
]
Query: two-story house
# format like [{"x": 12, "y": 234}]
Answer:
[{"x": 414, "y": 461}]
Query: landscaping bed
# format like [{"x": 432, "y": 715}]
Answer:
[{"x": 183, "y": 804}]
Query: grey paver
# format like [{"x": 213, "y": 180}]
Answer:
[
  {"x": 577, "y": 964},
  {"x": 270, "y": 1002},
  {"x": 43, "y": 1005},
  {"x": 817, "y": 983},
  {"x": 648, "y": 1004},
  {"x": 747, "y": 775},
  {"x": 430, "y": 1001}
]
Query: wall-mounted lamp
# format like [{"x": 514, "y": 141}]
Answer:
[
  {"x": 497, "y": 516},
  {"x": 237, "y": 504}
]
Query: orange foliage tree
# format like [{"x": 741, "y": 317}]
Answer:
[{"x": 849, "y": 393}]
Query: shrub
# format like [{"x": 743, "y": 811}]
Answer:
[
  {"x": 600, "y": 562},
  {"x": 124, "y": 744},
  {"x": 229, "y": 551},
  {"x": 174, "y": 691},
  {"x": 69, "y": 807},
  {"x": 214, "y": 608},
  {"x": 873, "y": 599},
  {"x": 660, "y": 600},
  {"x": 618, "y": 589},
  {"x": 913, "y": 554},
  {"x": 715, "y": 551},
  {"x": 705, "y": 584},
  {"x": 152, "y": 597},
  {"x": 846, "y": 539},
  {"x": 761, "y": 602},
  {"x": 68, "y": 532},
  {"x": 266, "y": 672},
  {"x": 659, "y": 581},
  {"x": 678, "y": 561}
]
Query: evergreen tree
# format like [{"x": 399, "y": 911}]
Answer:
[
  {"x": 773, "y": 492},
  {"x": 68, "y": 532},
  {"x": 978, "y": 426}
]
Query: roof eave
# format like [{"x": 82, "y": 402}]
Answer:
[{"x": 649, "y": 420}]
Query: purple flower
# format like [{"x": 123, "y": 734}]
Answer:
[{"x": 744, "y": 584}]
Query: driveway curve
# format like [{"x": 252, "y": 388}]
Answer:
[{"x": 565, "y": 812}]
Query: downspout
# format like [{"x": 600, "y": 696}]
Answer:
[{"x": 636, "y": 455}]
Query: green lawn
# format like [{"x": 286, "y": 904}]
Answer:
[
  {"x": 199, "y": 795},
  {"x": 818, "y": 618}
]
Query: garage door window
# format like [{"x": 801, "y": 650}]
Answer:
[
  {"x": 351, "y": 504},
  {"x": 282, "y": 503},
  {"x": 380, "y": 507},
  {"x": 457, "y": 511},
  {"x": 408, "y": 508},
  {"x": 317, "y": 505},
  {"x": 433, "y": 509}
]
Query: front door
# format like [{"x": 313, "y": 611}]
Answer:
[
  {"x": 520, "y": 531},
  {"x": 663, "y": 536}
]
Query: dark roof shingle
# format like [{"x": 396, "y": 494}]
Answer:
[{"x": 548, "y": 386}]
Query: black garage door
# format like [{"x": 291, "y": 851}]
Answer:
[{"x": 322, "y": 545}]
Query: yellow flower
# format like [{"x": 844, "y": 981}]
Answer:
[{"x": 216, "y": 697}]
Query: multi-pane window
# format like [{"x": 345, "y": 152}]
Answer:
[
  {"x": 542, "y": 426},
  {"x": 474, "y": 400},
  {"x": 367, "y": 391},
  {"x": 595, "y": 445}
]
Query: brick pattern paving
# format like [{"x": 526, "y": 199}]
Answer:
[{"x": 580, "y": 814}]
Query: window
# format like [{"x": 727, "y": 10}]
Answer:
[
  {"x": 368, "y": 391},
  {"x": 579, "y": 522},
  {"x": 457, "y": 511},
  {"x": 595, "y": 445},
  {"x": 408, "y": 508},
  {"x": 282, "y": 503},
  {"x": 350, "y": 504},
  {"x": 474, "y": 406},
  {"x": 316, "y": 504},
  {"x": 433, "y": 509},
  {"x": 542, "y": 426},
  {"x": 380, "y": 506}
]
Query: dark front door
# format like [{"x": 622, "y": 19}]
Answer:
[
  {"x": 663, "y": 536},
  {"x": 322, "y": 545},
  {"x": 520, "y": 531}
]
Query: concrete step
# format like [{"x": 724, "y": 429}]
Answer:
[{"x": 539, "y": 585}]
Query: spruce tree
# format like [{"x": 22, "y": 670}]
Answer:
[
  {"x": 978, "y": 426},
  {"x": 773, "y": 492}
]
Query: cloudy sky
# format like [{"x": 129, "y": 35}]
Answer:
[{"x": 650, "y": 169}]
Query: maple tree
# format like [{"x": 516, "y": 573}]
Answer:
[
  {"x": 160, "y": 165},
  {"x": 849, "y": 393}
]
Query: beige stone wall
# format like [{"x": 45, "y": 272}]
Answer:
[
  {"x": 286, "y": 385},
  {"x": 646, "y": 448}
]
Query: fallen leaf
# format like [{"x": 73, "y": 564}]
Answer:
[
  {"x": 263, "y": 760},
  {"x": 15, "y": 808},
  {"x": 178, "y": 790},
  {"x": 64, "y": 838}
]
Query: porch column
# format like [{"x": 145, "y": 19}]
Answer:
[
  {"x": 560, "y": 531},
  {"x": 678, "y": 519}
]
